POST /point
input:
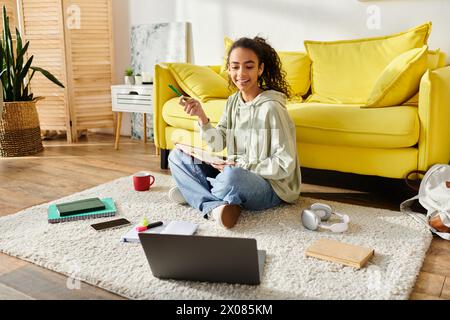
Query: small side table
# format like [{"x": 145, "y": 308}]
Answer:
[{"x": 131, "y": 98}]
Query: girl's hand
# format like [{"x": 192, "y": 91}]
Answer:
[
  {"x": 220, "y": 167},
  {"x": 192, "y": 107}
]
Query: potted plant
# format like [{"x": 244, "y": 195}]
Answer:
[
  {"x": 138, "y": 79},
  {"x": 20, "y": 132},
  {"x": 129, "y": 78}
]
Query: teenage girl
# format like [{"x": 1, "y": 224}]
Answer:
[{"x": 262, "y": 168}]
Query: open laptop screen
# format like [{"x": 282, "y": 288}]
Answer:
[{"x": 200, "y": 258}]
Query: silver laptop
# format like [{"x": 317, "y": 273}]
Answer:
[{"x": 200, "y": 258}]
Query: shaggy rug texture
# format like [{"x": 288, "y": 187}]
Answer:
[{"x": 99, "y": 258}]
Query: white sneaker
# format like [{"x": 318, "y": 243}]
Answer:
[
  {"x": 176, "y": 196},
  {"x": 226, "y": 215}
]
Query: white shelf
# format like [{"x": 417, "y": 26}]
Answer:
[{"x": 132, "y": 98}]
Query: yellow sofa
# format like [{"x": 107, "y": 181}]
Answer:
[{"x": 387, "y": 142}]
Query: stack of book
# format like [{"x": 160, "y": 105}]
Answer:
[{"x": 81, "y": 209}]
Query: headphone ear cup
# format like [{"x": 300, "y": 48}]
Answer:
[
  {"x": 339, "y": 227},
  {"x": 310, "y": 220},
  {"x": 323, "y": 211}
]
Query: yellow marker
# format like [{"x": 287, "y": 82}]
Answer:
[{"x": 144, "y": 222}]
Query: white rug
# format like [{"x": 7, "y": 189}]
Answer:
[{"x": 75, "y": 249}]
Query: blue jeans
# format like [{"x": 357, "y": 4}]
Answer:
[{"x": 206, "y": 188}]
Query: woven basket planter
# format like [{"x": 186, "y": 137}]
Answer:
[{"x": 20, "y": 133}]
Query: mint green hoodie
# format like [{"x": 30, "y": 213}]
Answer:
[{"x": 259, "y": 136}]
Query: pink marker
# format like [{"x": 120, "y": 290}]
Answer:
[{"x": 151, "y": 225}]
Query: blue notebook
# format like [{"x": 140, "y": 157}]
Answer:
[{"x": 110, "y": 210}]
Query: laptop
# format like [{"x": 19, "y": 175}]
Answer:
[{"x": 202, "y": 258}]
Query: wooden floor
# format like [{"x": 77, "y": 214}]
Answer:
[{"x": 70, "y": 168}]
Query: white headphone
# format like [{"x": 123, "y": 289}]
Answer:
[{"x": 312, "y": 217}]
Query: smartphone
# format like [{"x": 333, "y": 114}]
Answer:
[{"x": 110, "y": 224}]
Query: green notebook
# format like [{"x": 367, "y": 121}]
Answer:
[
  {"x": 80, "y": 206},
  {"x": 55, "y": 217}
]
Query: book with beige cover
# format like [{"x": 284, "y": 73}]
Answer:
[
  {"x": 201, "y": 154},
  {"x": 347, "y": 254}
]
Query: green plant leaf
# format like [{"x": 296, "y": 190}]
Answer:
[
  {"x": 18, "y": 81},
  {"x": 20, "y": 51},
  {"x": 13, "y": 72},
  {"x": 8, "y": 86},
  {"x": 1, "y": 60},
  {"x": 25, "y": 90},
  {"x": 21, "y": 54},
  {"x": 9, "y": 59},
  {"x": 48, "y": 75},
  {"x": 11, "y": 53},
  {"x": 31, "y": 77},
  {"x": 18, "y": 42},
  {"x": 1, "y": 55}
]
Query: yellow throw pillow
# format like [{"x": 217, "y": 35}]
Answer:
[
  {"x": 400, "y": 79},
  {"x": 297, "y": 66},
  {"x": 294, "y": 100},
  {"x": 199, "y": 82},
  {"x": 346, "y": 71},
  {"x": 442, "y": 59},
  {"x": 436, "y": 59},
  {"x": 223, "y": 68},
  {"x": 433, "y": 59}
]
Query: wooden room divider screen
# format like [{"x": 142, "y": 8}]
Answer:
[{"x": 73, "y": 40}]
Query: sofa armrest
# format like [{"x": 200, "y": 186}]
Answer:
[
  {"x": 434, "y": 117},
  {"x": 161, "y": 94}
]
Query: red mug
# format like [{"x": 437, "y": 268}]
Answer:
[{"x": 142, "y": 181}]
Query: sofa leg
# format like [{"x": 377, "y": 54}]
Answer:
[{"x": 164, "y": 159}]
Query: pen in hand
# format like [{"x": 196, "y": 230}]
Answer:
[
  {"x": 183, "y": 99},
  {"x": 191, "y": 106}
]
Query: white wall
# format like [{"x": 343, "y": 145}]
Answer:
[{"x": 285, "y": 23}]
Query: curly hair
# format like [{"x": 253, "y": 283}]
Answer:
[{"x": 273, "y": 76}]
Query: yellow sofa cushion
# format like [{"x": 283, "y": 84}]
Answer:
[
  {"x": 327, "y": 124},
  {"x": 436, "y": 59},
  {"x": 175, "y": 116},
  {"x": 297, "y": 66},
  {"x": 400, "y": 79},
  {"x": 346, "y": 71},
  {"x": 351, "y": 125},
  {"x": 199, "y": 82}
]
